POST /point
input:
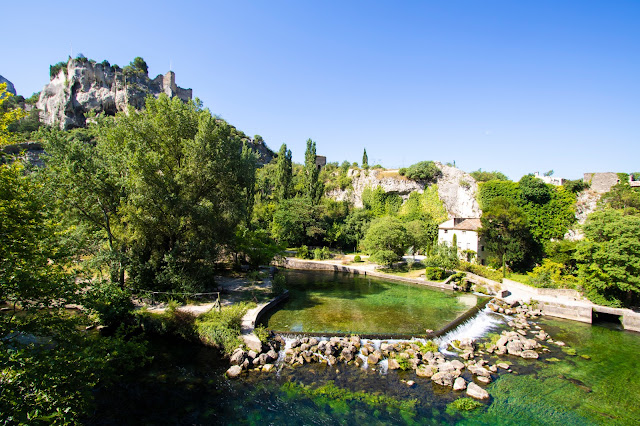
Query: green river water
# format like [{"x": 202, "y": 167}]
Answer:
[{"x": 593, "y": 380}]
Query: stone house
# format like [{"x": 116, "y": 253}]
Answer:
[{"x": 467, "y": 237}]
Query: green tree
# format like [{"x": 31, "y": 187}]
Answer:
[
  {"x": 443, "y": 256},
  {"x": 609, "y": 258},
  {"x": 426, "y": 171},
  {"x": 386, "y": 234},
  {"x": 312, "y": 186},
  {"x": 140, "y": 64},
  {"x": 421, "y": 234},
  {"x": 534, "y": 190},
  {"x": 365, "y": 160},
  {"x": 506, "y": 234},
  {"x": 622, "y": 197},
  {"x": 7, "y": 116},
  {"x": 284, "y": 175},
  {"x": 297, "y": 221}
]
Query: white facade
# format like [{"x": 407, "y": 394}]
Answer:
[{"x": 467, "y": 238}]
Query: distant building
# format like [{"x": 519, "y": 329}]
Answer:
[
  {"x": 467, "y": 237},
  {"x": 550, "y": 179},
  {"x": 633, "y": 182},
  {"x": 321, "y": 161}
]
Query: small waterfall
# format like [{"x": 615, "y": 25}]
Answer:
[{"x": 474, "y": 328}]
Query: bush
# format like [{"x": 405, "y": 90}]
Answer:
[
  {"x": 424, "y": 170},
  {"x": 222, "y": 329},
  {"x": 278, "y": 284},
  {"x": 262, "y": 333},
  {"x": 434, "y": 273},
  {"x": 172, "y": 323},
  {"x": 303, "y": 252},
  {"x": 464, "y": 404},
  {"x": 322, "y": 253},
  {"x": 384, "y": 257},
  {"x": 483, "y": 271},
  {"x": 109, "y": 302},
  {"x": 458, "y": 277},
  {"x": 443, "y": 256},
  {"x": 357, "y": 258}
]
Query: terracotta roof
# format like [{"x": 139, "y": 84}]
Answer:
[{"x": 472, "y": 224}]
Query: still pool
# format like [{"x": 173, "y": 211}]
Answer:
[{"x": 327, "y": 302}]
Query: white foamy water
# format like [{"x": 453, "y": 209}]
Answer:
[{"x": 474, "y": 328}]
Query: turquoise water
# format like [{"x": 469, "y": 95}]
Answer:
[
  {"x": 593, "y": 380},
  {"x": 341, "y": 303}
]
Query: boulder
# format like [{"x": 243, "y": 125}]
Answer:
[
  {"x": 267, "y": 368},
  {"x": 460, "y": 384},
  {"x": 393, "y": 364},
  {"x": 483, "y": 379},
  {"x": 238, "y": 357},
  {"x": 234, "y": 371},
  {"x": 503, "y": 365},
  {"x": 515, "y": 347},
  {"x": 529, "y": 354},
  {"x": 475, "y": 391},
  {"x": 457, "y": 364},
  {"x": 443, "y": 379},
  {"x": 272, "y": 356},
  {"x": 425, "y": 371},
  {"x": 373, "y": 359}
]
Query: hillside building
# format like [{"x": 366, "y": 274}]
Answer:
[{"x": 467, "y": 237}]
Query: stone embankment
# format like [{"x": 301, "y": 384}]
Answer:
[{"x": 467, "y": 370}]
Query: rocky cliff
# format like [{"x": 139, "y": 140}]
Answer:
[
  {"x": 456, "y": 189},
  {"x": 84, "y": 85},
  {"x": 10, "y": 87}
]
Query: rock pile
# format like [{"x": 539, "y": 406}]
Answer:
[{"x": 262, "y": 360}]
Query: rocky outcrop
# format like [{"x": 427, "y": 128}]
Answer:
[
  {"x": 84, "y": 86},
  {"x": 10, "y": 87},
  {"x": 456, "y": 189}
]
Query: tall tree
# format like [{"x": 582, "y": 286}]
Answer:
[
  {"x": 365, "y": 159},
  {"x": 284, "y": 174},
  {"x": 313, "y": 188},
  {"x": 609, "y": 257},
  {"x": 506, "y": 233}
]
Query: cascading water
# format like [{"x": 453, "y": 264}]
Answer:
[{"x": 474, "y": 328}]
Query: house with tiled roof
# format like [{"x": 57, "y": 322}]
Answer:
[{"x": 466, "y": 235}]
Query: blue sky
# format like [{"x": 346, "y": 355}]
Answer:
[{"x": 515, "y": 86}]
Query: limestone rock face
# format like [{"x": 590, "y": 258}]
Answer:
[
  {"x": 10, "y": 87},
  {"x": 87, "y": 86},
  {"x": 456, "y": 189}
]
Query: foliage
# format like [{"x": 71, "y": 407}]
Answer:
[
  {"x": 321, "y": 253},
  {"x": 484, "y": 176},
  {"x": 426, "y": 206},
  {"x": 550, "y": 274},
  {"x": 365, "y": 159},
  {"x": 261, "y": 333},
  {"x": 357, "y": 258},
  {"x": 426, "y": 171},
  {"x": 173, "y": 322},
  {"x": 355, "y": 226},
  {"x": 609, "y": 257},
  {"x": 379, "y": 202},
  {"x": 428, "y": 346},
  {"x": 278, "y": 284},
  {"x": 386, "y": 235},
  {"x": 442, "y": 256},
  {"x": 384, "y": 257},
  {"x": 421, "y": 234},
  {"x": 111, "y": 303},
  {"x": 434, "y": 273},
  {"x": 313, "y": 188},
  {"x": 158, "y": 193},
  {"x": 481, "y": 270},
  {"x": 506, "y": 233},
  {"x": 255, "y": 246},
  {"x": 54, "y": 70},
  {"x": 329, "y": 392},
  {"x": 284, "y": 174},
  {"x": 140, "y": 64},
  {"x": 7, "y": 116},
  {"x": 534, "y": 189},
  {"x": 622, "y": 196},
  {"x": 297, "y": 220},
  {"x": 464, "y": 404},
  {"x": 575, "y": 186},
  {"x": 303, "y": 252},
  {"x": 222, "y": 329}
]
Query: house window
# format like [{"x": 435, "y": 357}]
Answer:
[{"x": 445, "y": 231}]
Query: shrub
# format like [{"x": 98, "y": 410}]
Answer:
[
  {"x": 424, "y": 170},
  {"x": 55, "y": 69},
  {"x": 434, "y": 273},
  {"x": 464, "y": 404},
  {"x": 428, "y": 346},
  {"x": 457, "y": 277},
  {"x": 303, "y": 252},
  {"x": 109, "y": 302},
  {"x": 222, "y": 329},
  {"x": 384, "y": 257},
  {"x": 278, "y": 284},
  {"x": 262, "y": 333},
  {"x": 357, "y": 258},
  {"x": 483, "y": 271}
]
